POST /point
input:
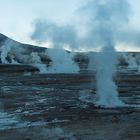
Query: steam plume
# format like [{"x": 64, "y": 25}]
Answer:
[
  {"x": 105, "y": 17},
  {"x": 60, "y": 37},
  {"x": 105, "y": 22}
]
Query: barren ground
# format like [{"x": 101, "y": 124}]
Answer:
[{"x": 55, "y": 107}]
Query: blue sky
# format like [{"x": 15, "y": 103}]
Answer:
[{"x": 16, "y": 16}]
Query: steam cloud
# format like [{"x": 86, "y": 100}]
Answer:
[
  {"x": 60, "y": 37},
  {"x": 105, "y": 22},
  {"x": 7, "y": 48},
  {"x": 105, "y": 17},
  {"x": 36, "y": 61}
]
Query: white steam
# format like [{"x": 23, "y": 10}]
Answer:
[
  {"x": 131, "y": 60},
  {"x": 36, "y": 61},
  {"x": 107, "y": 94},
  {"x": 62, "y": 61},
  {"x": 59, "y": 36},
  {"x": 9, "y": 52},
  {"x": 5, "y": 49},
  {"x": 104, "y": 19}
]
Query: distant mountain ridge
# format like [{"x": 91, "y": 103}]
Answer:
[
  {"x": 25, "y": 54},
  {"x": 4, "y": 38}
]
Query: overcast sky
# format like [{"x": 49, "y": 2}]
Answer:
[{"x": 16, "y": 16}]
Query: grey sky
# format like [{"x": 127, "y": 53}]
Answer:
[{"x": 16, "y": 16}]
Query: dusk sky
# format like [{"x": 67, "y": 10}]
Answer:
[{"x": 16, "y": 16}]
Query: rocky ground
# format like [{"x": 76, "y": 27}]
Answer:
[{"x": 60, "y": 107}]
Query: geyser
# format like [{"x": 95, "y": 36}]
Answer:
[
  {"x": 5, "y": 49},
  {"x": 62, "y": 61},
  {"x": 105, "y": 19},
  {"x": 36, "y": 61},
  {"x": 107, "y": 94},
  {"x": 59, "y": 36}
]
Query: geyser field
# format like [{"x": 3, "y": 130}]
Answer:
[
  {"x": 61, "y": 92},
  {"x": 40, "y": 104}
]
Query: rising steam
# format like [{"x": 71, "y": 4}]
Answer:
[
  {"x": 104, "y": 19},
  {"x": 36, "y": 61},
  {"x": 60, "y": 37},
  {"x": 5, "y": 49}
]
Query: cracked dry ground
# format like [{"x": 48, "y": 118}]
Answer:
[{"x": 49, "y": 107}]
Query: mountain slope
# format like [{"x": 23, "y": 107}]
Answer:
[{"x": 13, "y": 52}]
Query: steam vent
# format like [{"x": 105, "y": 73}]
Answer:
[{"x": 80, "y": 78}]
